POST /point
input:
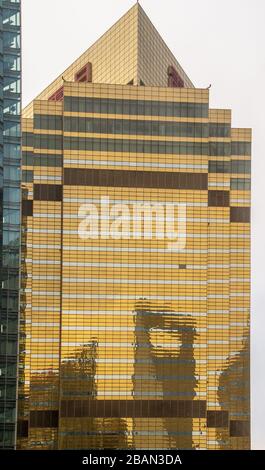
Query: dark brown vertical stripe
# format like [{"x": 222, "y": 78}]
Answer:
[
  {"x": 22, "y": 429},
  {"x": 27, "y": 208}
]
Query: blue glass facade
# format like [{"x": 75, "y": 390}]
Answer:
[{"x": 10, "y": 203}]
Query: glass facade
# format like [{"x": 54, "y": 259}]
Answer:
[
  {"x": 127, "y": 343},
  {"x": 10, "y": 202}
]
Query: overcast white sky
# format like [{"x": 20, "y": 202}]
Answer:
[{"x": 217, "y": 42}]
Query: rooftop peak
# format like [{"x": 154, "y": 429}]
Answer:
[{"x": 130, "y": 52}]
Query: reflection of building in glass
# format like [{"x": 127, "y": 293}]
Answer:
[
  {"x": 10, "y": 200},
  {"x": 78, "y": 427},
  {"x": 126, "y": 342},
  {"x": 164, "y": 376},
  {"x": 234, "y": 398}
]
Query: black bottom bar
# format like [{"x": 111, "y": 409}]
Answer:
[{"x": 127, "y": 459}]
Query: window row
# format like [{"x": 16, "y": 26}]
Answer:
[
  {"x": 31, "y": 159},
  {"x": 220, "y": 149},
  {"x": 123, "y": 145},
  {"x": 135, "y": 107},
  {"x": 241, "y": 148},
  {"x": 122, "y": 126},
  {"x": 219, "y": 130},
  {"x": 235, "y": 166},
  {"x": 27, "y": 176}
]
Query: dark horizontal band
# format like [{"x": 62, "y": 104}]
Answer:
[
  {"x": 133, "y": 408},
  {"x": 135, "y": 179}
]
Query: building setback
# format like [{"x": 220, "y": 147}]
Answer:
[
  {"x": 126, "y": 342},
  {"x": 10, "y": 202}
]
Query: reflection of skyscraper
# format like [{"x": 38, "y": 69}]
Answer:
[
  {"x": 78, "y": 388},
  {"x": 153, "y": 328},
  {"x": 164, "y": 377},
  {"x": 10, "y": 199},
  {"x": 234, "y": 398}
]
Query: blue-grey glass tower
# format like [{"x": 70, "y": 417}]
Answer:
[{"x": 10, "y": 202}]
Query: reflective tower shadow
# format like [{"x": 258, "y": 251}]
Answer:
[
  {"x": 79, "y": 385},
  {"x": 234, "y": 395},
  {"x": 164, "y": 371}
]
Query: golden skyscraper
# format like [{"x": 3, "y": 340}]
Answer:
[{"x": 133, "y": 336}]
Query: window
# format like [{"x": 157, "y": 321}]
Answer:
[
  {"x": 220, "y": 149},
  {"x": 219, "y": 167},
  {"x": 48, "y": 122},
  {"x": 11, "y": 129},
  {"x": 12, "y": 63},
  {"x": 27, "y": 159},
  {"x": 11, "y": 40},
  {"x": 241, "y": 148},
  {"x": 11, "y": 195},
  {"x": 43, "y": 141},
  {"x": 11, "y": 173},
  {"x": 27, "y": 176},
  {"x": 27, "y": 139},
  {"x": 243, "y": 184},
  {"x": 11, "y": 17},
  {"x": 219, "y": 130},
  {"x": 12, "y": 107},
  {"x": 12, "y": 85},
  {"x": 11, "y": 239},
  {"x": 11, "y": 216},
  {"x": 241, "y": 166},
  {"x": 12, "y": 151},
  {"x": 46, "y": 160},
  {"x": 11, "y": 283}
]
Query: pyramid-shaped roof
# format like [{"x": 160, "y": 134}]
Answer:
[{"x": 131, "y": 51}]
